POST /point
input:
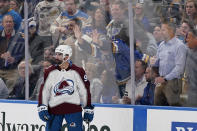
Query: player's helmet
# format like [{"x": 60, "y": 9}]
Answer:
[{"x": 65, "y": 50}]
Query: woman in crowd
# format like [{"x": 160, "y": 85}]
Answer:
[{"x": 191, "y": 12}]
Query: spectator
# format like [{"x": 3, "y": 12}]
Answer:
[
  {"x": 121, "y": 56},
  {"x": 18, "y": 91},
  {"x": 75, "y": 35},
  {"x": 96, "y": 87},
  {"x": 99, "y": 38},
  {"x": 191, "y": 12},
  {"x": 99, "y": 20},
  {"x": 191, "y": 71},
  {"x": 148, "y": 96},
  {"x": 44, "y": 65},
  {"x": 15, "y": 5},
  {"x": 119, "y": 20},
  {"x": 4, "y": 10},
  {"x": 3, "y": 90},
  {"x": 157, "y": 35},
  {"x": 12, "y": 50},
  {"x": 145, "y": 40},
  {"x": 140, "y": 82},
  {"x": 118, "y": 27},
  {"x": 170, "y": 59},
  {"x": 139, "y": 17},
  {"x": 184, "y": 29},
  {"x": 105, "y": 5},
  {"x": 49, "y": 52},
  {"x": 36, "y": 44},
  {"x": 71, "y": 12},
  {"x": 109, "y": 86},
  {"x": 45, "y": 13}
]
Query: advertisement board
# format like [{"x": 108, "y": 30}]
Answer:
[
  {"x": 171, "y": 120},
  {"x": 24, "y": 117}
]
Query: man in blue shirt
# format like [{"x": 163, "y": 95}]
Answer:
[
  {"x": 5, "y": 10},
  {"x": 171, "y": 57}
]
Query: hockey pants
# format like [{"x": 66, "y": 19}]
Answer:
[{"x": 74, "y": 122}]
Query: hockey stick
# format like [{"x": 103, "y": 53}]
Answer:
[{"x": 88, "y": 126}]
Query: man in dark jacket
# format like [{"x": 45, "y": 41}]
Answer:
[
  {"x": 12, "y": 50},
  {"x": 191, "y": 70},
  {"x": 148, "y": 96}
]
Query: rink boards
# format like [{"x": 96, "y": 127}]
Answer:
[{"x": 23, "y": 116}]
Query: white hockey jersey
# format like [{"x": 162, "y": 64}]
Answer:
[{"x": 63, "y": 91}]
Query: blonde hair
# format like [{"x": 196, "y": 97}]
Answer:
[
  {"x": 30, "y": 66},
  {"x": 185, "y": 14}
]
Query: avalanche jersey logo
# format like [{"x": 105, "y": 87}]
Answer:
[{"x": 65, "y": 86}]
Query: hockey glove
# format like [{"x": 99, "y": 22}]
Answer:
[
  {"x": 88, "y": 114},
  {"x": 43, "y": 113}
]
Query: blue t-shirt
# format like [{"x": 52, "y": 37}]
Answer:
[{"x": 17, "y": 19}]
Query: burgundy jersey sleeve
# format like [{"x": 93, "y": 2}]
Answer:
[{"x": 85, "y": 80}]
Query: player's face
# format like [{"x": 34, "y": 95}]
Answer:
[{"x": 58, "y": 58}]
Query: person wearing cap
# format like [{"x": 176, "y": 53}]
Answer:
[
  {"x": 5, "y": 10},
  {"x": 36, "y": 44}
]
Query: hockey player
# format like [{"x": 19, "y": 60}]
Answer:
[{"x": 64, "y": 90}]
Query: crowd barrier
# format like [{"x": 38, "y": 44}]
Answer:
[{"x": 18, "y": 115}]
